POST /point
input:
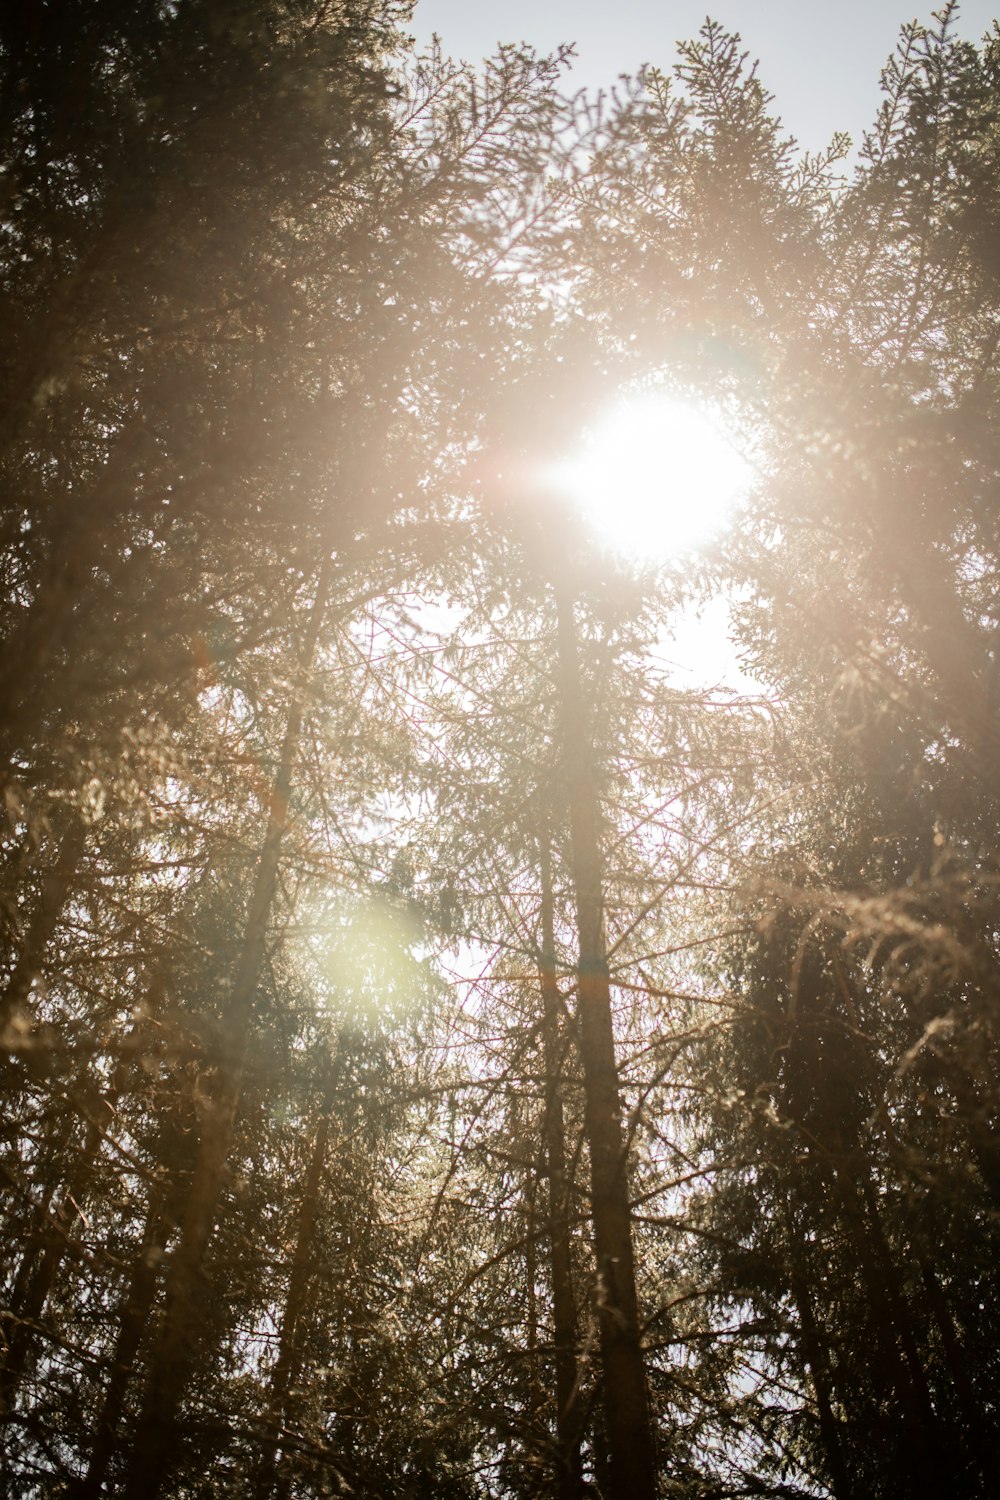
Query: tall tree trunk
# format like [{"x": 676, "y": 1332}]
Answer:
[
  {"x": 898, "y": 1308},
  {"x": 626, "y": 1403},
  {"x": 819, "y": 1368},
  {"x": 289, "y": 1349},
  {"x": 979, "y": 1429},
  {"x": 897, "y": 1342},
  {"x": 135, "y": 1315},
  {"x": 185, "y": 1299},
  {"x": 955, "y": 1358},
  {"x": 535, "y": 1414},
  {"x": 817, "y": 1358},
  {"x": 887, "y": 1354},
  {"x": 570, "y": 1478}
]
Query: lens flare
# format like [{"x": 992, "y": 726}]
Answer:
[{"x": 656, "y": 476}]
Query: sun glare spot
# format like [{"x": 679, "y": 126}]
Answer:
[{"x": 657, "y": 476}]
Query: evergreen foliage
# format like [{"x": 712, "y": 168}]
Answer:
[{"x": 442, "y": 1056}]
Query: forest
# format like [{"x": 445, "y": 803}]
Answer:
[{"x": 447, "y": 1051}]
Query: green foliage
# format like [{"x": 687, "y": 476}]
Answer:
[{"x": 299, "y": 1110}]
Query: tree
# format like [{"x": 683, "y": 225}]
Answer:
[{"x": 442, "y": 1056}]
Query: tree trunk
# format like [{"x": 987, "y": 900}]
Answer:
[
  {"x": 136, "y": 1310},
  {"x": 626, "y": 1404},
  {"x": 287, "y": 1364},
  {"x": 898, "y": 1310},
  {"x": 887, "y": 1353},
  {"x": 817, "y": 1359},
  {"x": 186, "y": 1294},
  {"x": 570, "y": 1478}
]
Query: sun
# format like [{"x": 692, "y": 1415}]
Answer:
[{"x": 656, "y": 476}]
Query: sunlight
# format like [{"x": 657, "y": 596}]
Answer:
[{"x": 657, "y": 477}]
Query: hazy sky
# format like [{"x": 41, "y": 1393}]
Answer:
[{"x": 821, "y": 61}]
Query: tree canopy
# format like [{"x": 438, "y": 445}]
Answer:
[{"x": 448, "y": 1051}]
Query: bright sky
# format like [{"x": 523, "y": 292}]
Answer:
[{"x": 820, "y": 60}]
